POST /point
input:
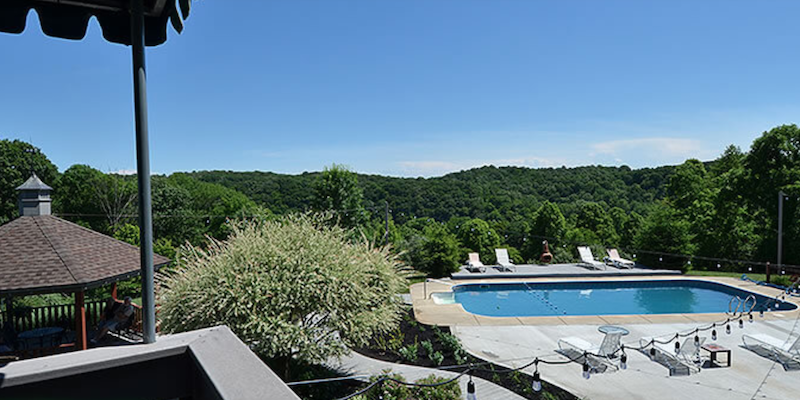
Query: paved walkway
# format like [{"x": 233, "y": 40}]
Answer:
[{"x": 357, "y": 364}]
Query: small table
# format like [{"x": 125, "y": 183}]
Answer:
[
  {"x": 40, "y": 335},
  {"x": 613, "y": 329},
  {"x": 714, "y": 350}
]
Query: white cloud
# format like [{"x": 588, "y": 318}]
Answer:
[
  {"x": 663, "y": 146},
  {"x": 124, "y": 172}
]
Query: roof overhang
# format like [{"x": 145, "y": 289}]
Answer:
[{"x": 68, "y": 19}]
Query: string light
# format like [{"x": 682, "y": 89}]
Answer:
[
  {"x": 741, "y": 323},
  {"x": 623, "y": 360},
  {"x": 537, "y": 380},
  {"x": 586, "y": 373},
  {"x": 471, "y": 389},
  {"x": 728, "y": 329},
  {"x": 714, "y": 331}
]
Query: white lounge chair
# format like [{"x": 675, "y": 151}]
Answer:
[
  {"x": 683, "y": 362},
  {"x": 503, "y": 262},
  {"x": 587, "y": 258},
  {"x": 474, "y": 263},
  {"x": 784, "y": 351},
  {"x": 599, "y": 357},
  {"x": 617, "y": 261}
]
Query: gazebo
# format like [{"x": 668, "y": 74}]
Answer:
[
  {"x": 137, "y": 23},
  {"x": 40, "y": 253}
]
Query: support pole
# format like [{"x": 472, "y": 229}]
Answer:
[
  {"x": 780, "y": 230},
  {"x": 386, "y": 234},
  {"x": 143, "y": 171},
  {"x": 80, "y": 321}
]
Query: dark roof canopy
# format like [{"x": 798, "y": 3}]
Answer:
[
  {"x": 68, "y": 19},
  {"x": 46, "y": 254}
]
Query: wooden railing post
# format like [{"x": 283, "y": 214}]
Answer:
[{"x": 80, "y": 322}]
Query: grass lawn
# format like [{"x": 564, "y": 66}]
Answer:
[{"x": 738, "y": 275}]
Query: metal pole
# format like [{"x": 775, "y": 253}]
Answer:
[
  {"x": 780, "y": 230},
  {"x": 143, "y": 171},
  {"x": 386, "y": 235}
]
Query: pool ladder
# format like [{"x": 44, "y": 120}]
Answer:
[{"x": 733, "y": 311}]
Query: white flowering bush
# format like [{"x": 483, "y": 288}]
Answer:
[{"x": 290, "y": 288}]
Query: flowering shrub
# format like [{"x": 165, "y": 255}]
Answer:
[{"x": 290, "y": 288}]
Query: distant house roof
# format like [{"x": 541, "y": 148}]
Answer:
[
  {"x": 46, "y": 254},
  {"x": 34, "y": 183},
  {"x": 68, "y": 19}
]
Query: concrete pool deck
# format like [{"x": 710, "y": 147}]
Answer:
[{"x": 514, "y": 341}]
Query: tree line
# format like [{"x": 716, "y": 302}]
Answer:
[{"x": 725, "y": 208}]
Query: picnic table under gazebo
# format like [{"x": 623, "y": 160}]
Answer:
[{"x": 41, "y": 254}]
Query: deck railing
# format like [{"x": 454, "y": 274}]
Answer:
[{"x": 63, "y": 315}]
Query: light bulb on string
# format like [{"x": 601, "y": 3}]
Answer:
[
  {"x": 761, "y": 313},
  {"x": 718, "y": 266},
  {"x": 623, "y": 360},
  {"x": 714, "y": 334},
  {"x": 652, "y": 351},
  {"x": 741, "y": 323},
  {"x": 696, "y": 339},
  {"x": 586, "y": 373},
  {"x": 537, "y": 380},
  {"x": 660, "y": 258},
  {"x": 471, "y": 389},
  {"x": 750, "y": 317},
  {"x": 728, "y": 329},
  {"x": 677, "y": 347}
]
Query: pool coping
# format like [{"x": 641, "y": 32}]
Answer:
[{"x": 428, "y": 312}]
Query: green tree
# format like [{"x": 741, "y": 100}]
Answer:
[
  {"x": 663, "y": 231},
  {"x": 290, "y": 288},
  {"x": 592, "y": 217},
  {"x": 441, "y": 253},
  {"x": 18, "y": 160},
  {"x": 337, "y": 190},
  {"x": 476, "y": 235},
  {"x": 549, "y": 224}
]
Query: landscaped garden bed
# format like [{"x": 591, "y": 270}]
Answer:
[{"x": 434, "y": 347}]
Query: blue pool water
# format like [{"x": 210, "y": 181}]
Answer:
[{"x": 604, "y": 298}]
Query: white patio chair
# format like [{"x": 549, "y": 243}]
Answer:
[
  {"x": 503, "y": 262},
  {"x": 587, "y": 259}
]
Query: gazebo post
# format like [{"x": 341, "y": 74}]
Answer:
[
  {"x": 10, "y": 310},
  {"x": 143, "y": 171},
  {"x": 80, "y": 321}
]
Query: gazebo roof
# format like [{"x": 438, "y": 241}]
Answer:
[
  {"x": 68, "y": 19},
  {"x": 46, "y": 254}
]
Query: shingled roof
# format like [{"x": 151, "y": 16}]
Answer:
[{"x": 46, "y": 254}]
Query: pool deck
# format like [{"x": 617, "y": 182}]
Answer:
[
  {"x": 514, "y": 341},
  {"x": 557, "y": 271}
]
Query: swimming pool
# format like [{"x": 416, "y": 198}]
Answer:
[{"x": 684, "y": 296}]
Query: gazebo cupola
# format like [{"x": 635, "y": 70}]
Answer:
[{"x": 34, "y": 197}]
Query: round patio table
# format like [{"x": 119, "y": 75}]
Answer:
[
  {"x": 40, "y": 335},
  {"x": 606, "y": 329}
]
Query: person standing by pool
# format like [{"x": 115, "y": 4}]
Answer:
[{"x": 120, "y": 317}]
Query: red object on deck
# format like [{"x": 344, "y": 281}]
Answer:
[{"x": 546, "y": 257}]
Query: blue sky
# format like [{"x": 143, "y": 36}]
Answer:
[{"x": 415, "y": 87}]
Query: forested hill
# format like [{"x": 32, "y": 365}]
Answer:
[{"x": 490, "y": 193}]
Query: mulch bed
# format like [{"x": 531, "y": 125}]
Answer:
[{"x": 410, "y": 332}]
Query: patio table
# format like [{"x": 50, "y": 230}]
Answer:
[{"x": 41, "y": 336}]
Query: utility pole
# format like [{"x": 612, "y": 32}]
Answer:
[
  {"x": 386, "y": 234},
  {"x": 781, "y": 195}
]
